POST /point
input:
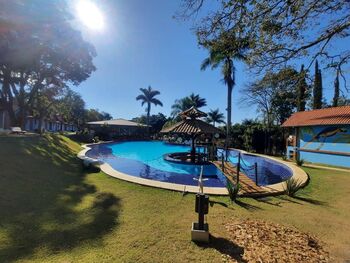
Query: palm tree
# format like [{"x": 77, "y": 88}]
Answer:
[
  {"x": 185, "y": 103},
  {"x": 214, "y": 116},
  {"x": 148, "y": 96},
  {"x": 222, "y": 53}
]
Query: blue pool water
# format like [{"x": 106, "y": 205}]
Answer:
[{"x": 145, "y": 159}]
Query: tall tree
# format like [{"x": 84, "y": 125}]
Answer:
[
  {"x": 317, "y": 89},
  {"x": 281, "y": 31},
  {"x": 157, "y": 121},
  {"x": 187, "y": 102},
  {"x": 274, "y": 95},
  {"x": 215, "y": 116},
  {"x": 96, "y": 115},
  {"x": 38, "y": 49},
  {"x": 222, "y": 54},
  {"x": 336, "y": 91},
  {"x": 301, "y": 90},
  {"x": 148, "y": 97}
]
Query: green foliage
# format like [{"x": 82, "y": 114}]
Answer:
[
  {"x": 232, "y": 190},
  {"x": 317, "y": 88},
  {"x": 291, "y": 186},
  {"x": 300, "y": 162},
  {"x": 223, "y": 53},
  {"x": 156, "y": 121},
  {"x": 71, "y": 107},
  {"x": 277, "y": 33},
  {"x": 255, "y": 136},
  {"x": 274, "y": 95},
  {"x": 148, "y": 96},
  {"x": 39, "y": 55},
  {"x": 336, "y": 90},
  {"x": 215, "y": 116},
  {"x": 193, "y": 100},
  {"x": 302, "y": 90},
  {"x": 96, "y": 115}
]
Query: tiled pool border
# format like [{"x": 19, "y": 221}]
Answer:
[{"x": 298, "y": 174}]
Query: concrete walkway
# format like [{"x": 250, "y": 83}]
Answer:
[{"x": 326, "y": 167}]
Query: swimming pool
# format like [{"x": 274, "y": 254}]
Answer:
[{"x": 144, "y": 159}]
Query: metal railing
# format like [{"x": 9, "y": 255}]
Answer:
[{"x": 241, "y": 165}]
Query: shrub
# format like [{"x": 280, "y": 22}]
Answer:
[
  {"x": 284, "y": 157},
  {"x": 96, "y": 139},
  {"x": 232, "y": 190},
  {"x": 300, "y": 162},
  {"x": 291, "y": 186}
]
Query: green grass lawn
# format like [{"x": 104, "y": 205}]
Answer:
[{"x": 53, "y": 211}]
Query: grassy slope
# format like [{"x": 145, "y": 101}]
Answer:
[{"x": 51, "y": 210}]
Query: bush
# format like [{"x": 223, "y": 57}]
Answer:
[
  {"x": 292, "y": 186},
  {"x": 232, "y": 190},
  {"x": 96, "y": 139},
  {"x": 300, "y": 162}
]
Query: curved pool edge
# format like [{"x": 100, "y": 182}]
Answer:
[
  {"x": 274, "y": 189},
  {"x": 107, "y": 169},
  {"x": 298, "y": 174}
]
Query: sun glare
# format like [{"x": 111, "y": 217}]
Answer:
[{"x": 90, "y": 15}]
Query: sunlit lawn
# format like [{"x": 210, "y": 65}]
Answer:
[{"x": 53, "y": 211}]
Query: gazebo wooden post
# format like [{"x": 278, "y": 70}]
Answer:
[{"x": 193, "y": 149}]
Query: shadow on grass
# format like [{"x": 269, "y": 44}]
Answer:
[
  {"x": 294, "y": 200},
  {"x": 225, "y": 247},
  {"x": 212, "y": 203},
  {"x": 247, "y": 206},
  {"x": 267, "y": 200},
  {"x": 42, "y": 187},
  {"x": 311, "y": 200}
]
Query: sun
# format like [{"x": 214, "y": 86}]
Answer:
[{"x": 90, "y": 15}]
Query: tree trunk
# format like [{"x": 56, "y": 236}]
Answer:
[
  {"x": 336, "y": 90},
  {"x": 229, "y": 112},
  {"x": 8, "y": 98},
  {"x": 40, "y": 128},
  {"x": 148, "y": 114}
]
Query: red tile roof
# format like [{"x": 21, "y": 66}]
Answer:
[{"x": 328, "y": 116}]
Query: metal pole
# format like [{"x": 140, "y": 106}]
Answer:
[
  {"x": 256, "y": 173},
  {"x": 200, "y": 214},
  {"x": 238, "y": 166},
  {"x": 222, "y": 162}
]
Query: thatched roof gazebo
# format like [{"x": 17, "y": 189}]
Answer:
[{"x": 192, "y": 126}]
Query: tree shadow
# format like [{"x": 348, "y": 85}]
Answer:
[
  {"x": 212, "y": 203},
  {"x": 44, "y": 186},
  {"x": 247, "y": 206},
  {"x": 267, "y": 200},
  {"x": 311, "y": 201},
  {"x": 225, "y": 247}
]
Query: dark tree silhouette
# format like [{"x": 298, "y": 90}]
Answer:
[{"x": 147, "y": 96}]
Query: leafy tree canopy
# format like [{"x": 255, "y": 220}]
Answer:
[
  {"x": 277, "y": 31},
  {"x": 187, "y": 102}
]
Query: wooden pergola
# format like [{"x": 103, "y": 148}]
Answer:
[{"x": 192, "y": 126}]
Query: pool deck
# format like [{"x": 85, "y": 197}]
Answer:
[{"x": 248, "y": 186}]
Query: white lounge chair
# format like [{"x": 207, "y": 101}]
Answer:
[{"x": 17, "y": 130}]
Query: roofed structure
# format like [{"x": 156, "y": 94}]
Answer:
[
  {"x": 192, "y": 126},
  {"x": 193, "y": 113},
  {"x": 328, "y": 116},
  {"x": 117, "y": 122}
]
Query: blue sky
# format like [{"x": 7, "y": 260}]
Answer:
[{"x": 143, "y": 45}]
